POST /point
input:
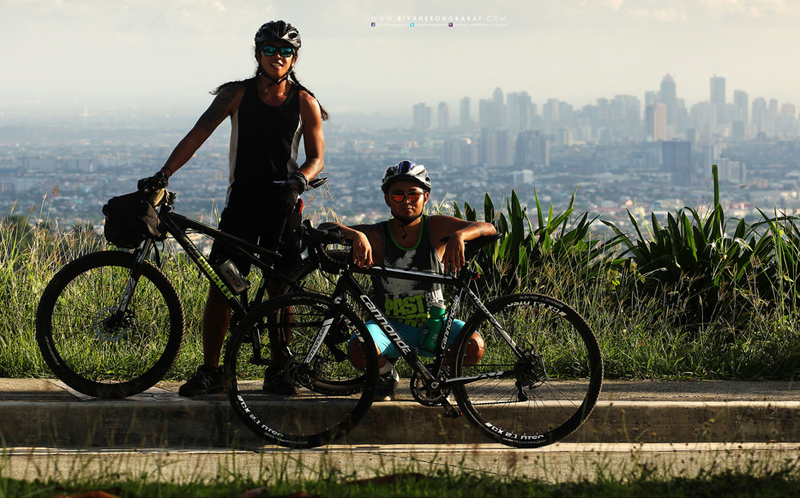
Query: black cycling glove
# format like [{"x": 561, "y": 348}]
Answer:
[
  {"x": 155, "y": 182},
  {"x": 288, "y": 198},
  {"x": 298, "y": 181}
]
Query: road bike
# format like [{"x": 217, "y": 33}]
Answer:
[
  {"x": 538, "y": 379},
  {"x": 110, "y": 324}
]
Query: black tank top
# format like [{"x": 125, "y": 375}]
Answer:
[
  {"x": 406, "y": 301},
  {"x": 264, "y": 143}
]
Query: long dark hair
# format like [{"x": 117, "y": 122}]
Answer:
[
  {"x": 292, "y": 76},
  {"x": 294, "y": 79}
]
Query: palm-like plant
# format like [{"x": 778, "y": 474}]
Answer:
[
  {"x": 702, "y": 273},
  {"x": 512, "y": 263}
]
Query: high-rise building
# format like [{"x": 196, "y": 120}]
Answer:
[
  {"x": 443, "y": 116},
  {"x": 786, "y": 121},
  {"x": 491, "y": 114},
  {"x": 630, "y": 112},
  {"x": 651, "y": 98},
  {"x": 518, "y": 106},
  {"x": 532, "y": 149},
  {"x": 676, "y": 159},
  {"x": 550, "y": 114},
  {"x": 761, "y": 116},
  {"x": 704, "y": 115},
  {"x": 497, "y": 96},
  {"x": 497, "y": 148},
  {"x": 465, "y": 113},
  {"x": 656, "y": 122},
  {"x": 740, "y": 100},
  {"x": 738, "y": 131},
  {"x": 461, "y": 152},
  {"x": 731, "y": 171},
  {"x": 669, "y": 97},
  {"x": 422, "y": 117},
  {"x": 717, "y": 97},
  {"x": 566, "y": 115}
]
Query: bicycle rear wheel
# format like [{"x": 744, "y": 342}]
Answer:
[
  {"x": 331, "y": 395},
  {"x": 543, "y": 391},
  {"x": 94, "y": 347}
]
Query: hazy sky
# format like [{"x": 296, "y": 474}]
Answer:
[{"x": 170, "y": 53}]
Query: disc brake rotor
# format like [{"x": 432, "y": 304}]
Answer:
[
  {"x": 299, "y": 373},
  {"x": 110, "y": 327},
  {"x": 531, "y": 370}
]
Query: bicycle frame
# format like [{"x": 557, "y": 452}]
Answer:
[
  {"x": 178, "y": 225},
  {"x": 347, "y": 284}
]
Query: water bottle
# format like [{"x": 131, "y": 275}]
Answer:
[
  {"x": 433, "y": 325},
  {"x": 233, "y": 277}
]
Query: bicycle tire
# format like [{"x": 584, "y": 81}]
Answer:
[
  {"x": 88, "y": 352},
  {"x": 318, "y": 413},
  {"x": 543, "y": 397},
  {"x": 312, "y": 278}
]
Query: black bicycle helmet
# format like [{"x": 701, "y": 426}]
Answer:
[
  {"x": 278, "y": 30},
  {"x": 406, "y": 170}
]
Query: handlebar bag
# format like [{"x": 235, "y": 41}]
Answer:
[{"x": 129, "y": 220}]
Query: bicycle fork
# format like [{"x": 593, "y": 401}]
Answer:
[{"x": 133, "y": 280}]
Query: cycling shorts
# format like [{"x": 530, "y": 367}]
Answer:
[
  {"x": 263, "y": 231},
  {"x": 412, "y": 335}
]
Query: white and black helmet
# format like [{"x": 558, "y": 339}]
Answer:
[
  {"x": 278, "y": 30},
  {"x": 406, "y": 170}
]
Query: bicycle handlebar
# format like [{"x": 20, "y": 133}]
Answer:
[
  {"x": 158, "y": 196},
  {"x": 312, "y": 184},
  {"x": 315, "y": 239}
]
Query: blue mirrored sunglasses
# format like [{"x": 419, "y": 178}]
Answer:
[{"x": 269, "y": 51}]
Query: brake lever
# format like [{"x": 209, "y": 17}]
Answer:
[
  {"x": 313, "y": 183},
  {"x": 317, "y": 182}
]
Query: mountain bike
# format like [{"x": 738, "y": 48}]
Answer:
[
  {"x": 538, "y": 379},
  {"x": 110, "y": 324}
]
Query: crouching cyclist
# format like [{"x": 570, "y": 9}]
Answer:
[{"x": 409, "y": 240}]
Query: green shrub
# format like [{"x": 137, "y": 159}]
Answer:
[{"x": 702, "y": 274}]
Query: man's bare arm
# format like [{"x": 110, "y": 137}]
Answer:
[
  {"x": 459, "y": 232},
  {"x": 366, "y": 242}
]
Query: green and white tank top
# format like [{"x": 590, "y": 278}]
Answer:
[{"x": 406, "y": 301}]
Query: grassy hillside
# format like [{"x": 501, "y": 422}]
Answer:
[{"x": 693, "y": 296}]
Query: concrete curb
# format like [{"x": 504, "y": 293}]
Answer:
[{"x": 47, "y": 414}]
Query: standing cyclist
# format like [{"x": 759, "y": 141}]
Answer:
[
  {"x": 413, "y": 241},
  {"x": 269, "y": 114}
]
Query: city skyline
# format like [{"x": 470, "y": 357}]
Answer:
[
  {"x": 662, "y": 116},
  {"x": 168, "y": 56}
]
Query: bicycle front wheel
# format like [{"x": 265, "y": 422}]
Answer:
[
  {"x": 96, "y": 343},
  {"x": 538, "y": 384},
  {"x": 327, "y": 395}
]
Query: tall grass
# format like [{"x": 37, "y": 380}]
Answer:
[
  {"x": 595, "y": 473},
  {"x": 702, "y": 296},
  {"x": 29, "y": 256}
]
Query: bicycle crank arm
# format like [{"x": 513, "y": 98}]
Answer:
[{"x": 450, "y": 411}]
